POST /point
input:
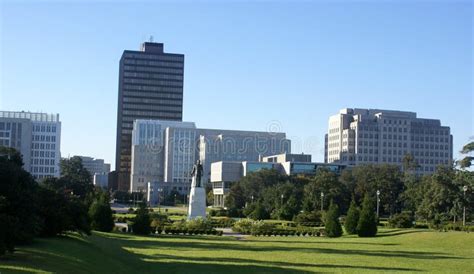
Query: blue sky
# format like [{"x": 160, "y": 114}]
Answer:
[{"x": 250, "y": 66}]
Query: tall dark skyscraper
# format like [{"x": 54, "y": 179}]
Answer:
[{"x": 150, "y": 87}]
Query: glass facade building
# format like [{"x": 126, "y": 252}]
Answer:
[{"x": 150, "y": 87}]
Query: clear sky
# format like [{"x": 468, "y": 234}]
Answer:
[{"x": 250, "y": 66}]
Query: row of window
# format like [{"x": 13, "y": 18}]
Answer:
[
  {"x": 10, "y": 126},
  {"x": 44, "y": 138},
  {"x": 149, "y": 114},
  {"x": 154, "y": 75},
  {"x": 153, "y": 82},
  {"x": 42, "y": 154},
  {"x": 44, "y": 146},
  {"x": 161, "y": 57},
  {"x": 41, "y": 162},
  {"x": 153, "y": 91},
  {"x": 44, "y": 128},
  {"x": 151, "y": 101},
  {"x": 153, "y": 69},
  {"x": 41, "y": 169},
  {"x": 153, "y": 63},
  {"x": 153, "y": 108}
]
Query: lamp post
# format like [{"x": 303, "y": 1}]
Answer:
[
  {"x": 252, "y": 199},
  {"x": 464, "y": 209},
  {"x": 322, "y": 201},
  {"x": 282, "y": 196},
  {"x": 378, "y": 202}
]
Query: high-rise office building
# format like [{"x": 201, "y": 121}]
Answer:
[
  {"x": 150, "y": 87},
  {"x": 37, "y": 136},
  {"x": 365, "y": 136}
]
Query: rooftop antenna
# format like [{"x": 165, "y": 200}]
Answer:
[{"x": 151, "y": 38}]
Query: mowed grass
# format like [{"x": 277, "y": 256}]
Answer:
[{"x": 393, "y": 250}]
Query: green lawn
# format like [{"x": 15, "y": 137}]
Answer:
[{"x": 393, "y": 250}]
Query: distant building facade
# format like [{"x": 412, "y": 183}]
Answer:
[
  {"x": 94, "y": 166},
  {"x": 37, "y": 136},
  {"x": 368, "y": 136},
  {"x": 150, "y": 87},
  {"x": 101, "y": 180},
  {"x": 224, "y": 173},
  {"x": 153, "y": 151},
  {"x": 165, "y": 151}
]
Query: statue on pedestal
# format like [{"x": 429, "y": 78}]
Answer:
[{"x": 197, "y": 195}]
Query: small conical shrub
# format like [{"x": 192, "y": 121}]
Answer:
[
  {"x": 141, "y": 222},
  {"x": 367, "y": 226},
  {"x": 352, "y": 218},
  {"x": 332, "y": 224}
]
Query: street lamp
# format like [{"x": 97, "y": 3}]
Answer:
[
  {"x": 282, "y": 196},
  {"x": 464, "y": 209},
  {"x": 322, "y": 201},
  {"x": 378, "y": 202},
  {"x": 252, "y": 198}
]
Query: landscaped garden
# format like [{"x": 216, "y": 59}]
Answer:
[{"x": 409, "y": 250}]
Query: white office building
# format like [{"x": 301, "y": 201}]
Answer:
[
  {"x": 366, "y": 136},
  {"x": 151, "y": 141},
  {"x": 165, "y": 151},
  {"x": 37, "y": 136}
]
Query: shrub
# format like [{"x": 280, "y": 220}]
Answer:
[
  {"x": 101, "y": 213},
  {"x": 402, "y": 220},
  {"x": 141, "y": 223},
  {"x": 198, "y": 224},
  {"x": 259, "y": 212},
  {"x": 367, "y": 225},
  {"x": 332, "y": 225},
  {"x": 352, "y": 218},
  {"x": 305, "y": 218},
  {"x": 243, "y": 226}
]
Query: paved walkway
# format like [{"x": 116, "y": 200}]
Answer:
[{"x": 229, "y": 232}]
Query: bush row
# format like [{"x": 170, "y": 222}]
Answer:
[
  {"x": 174, "y": 231},
  {"x": 221, "y": 223},
  {"x": 286, "y": 232},
  {"x": 458, "y": 227}
]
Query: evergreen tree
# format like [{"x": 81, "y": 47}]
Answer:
[
  {"x": 367, "y": 226},
  {"x": 101, "y": 213},
  {"x": 332, "y": 224},
  {"x": 352, "y": 218},
  {"x": 141, "y": 223}
]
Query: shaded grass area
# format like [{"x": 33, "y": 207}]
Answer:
[{"x": 392, "y": 250}]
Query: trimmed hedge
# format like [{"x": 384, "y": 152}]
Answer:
[
  {"x": 184, "y": 231},
  {"x": 286, "y": 233}
]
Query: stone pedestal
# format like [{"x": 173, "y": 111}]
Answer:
[{"x": 197, "y": 203}]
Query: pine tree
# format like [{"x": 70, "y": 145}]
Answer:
[
  {"x": 101, "y": 213},
  {"x": 141, "y": 223},
  {"x": 352, "y": 218},
  {"x": 332, "y": 224},
  {"x": 367, "y": 226}
]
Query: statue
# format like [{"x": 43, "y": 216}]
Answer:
[
  {"x": 197, "y": 174},
  {"x": 197, "y": 195}
]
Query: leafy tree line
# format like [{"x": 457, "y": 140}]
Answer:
[
  {"x": 29, "y": 209},
  {"x": 435, "y": 198}
]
